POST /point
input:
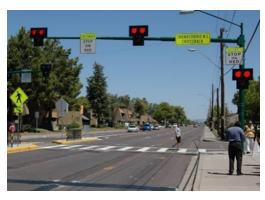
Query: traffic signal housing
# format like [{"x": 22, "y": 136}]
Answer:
[
  {"x": 242, "y": 76},
  {"x": 9, "y": 75},
  {"x": 38, "y": 34},
  {"x": 138, "y": 33},
  {"x": 46, "y": 69}
]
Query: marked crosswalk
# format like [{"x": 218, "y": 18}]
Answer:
[{"x": 125, "y": 148}]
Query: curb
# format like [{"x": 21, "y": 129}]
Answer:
[
  {"x": 74, "y": 141},
  {"x": 20, "y": 149}
]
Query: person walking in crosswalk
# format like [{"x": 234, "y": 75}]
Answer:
[{"x": 178, "y": 137}]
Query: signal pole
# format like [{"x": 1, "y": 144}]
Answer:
[{"x": 222, "y": 86}]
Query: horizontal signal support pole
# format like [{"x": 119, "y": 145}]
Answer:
[
  {"x": 23, "y": 71},
  {"x": 166, "y": 39}
]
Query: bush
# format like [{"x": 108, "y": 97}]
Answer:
[
  {"x": 26, "y": 127},
  {"x": 119, "y": 126},
  {"x": 73, "y": 125}
]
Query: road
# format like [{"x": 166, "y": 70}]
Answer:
[{"x": 117, "y": 161}]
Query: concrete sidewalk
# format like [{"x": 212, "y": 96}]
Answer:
[{"x": 211, "y": 173}]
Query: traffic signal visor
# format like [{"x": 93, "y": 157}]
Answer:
[
  {"x": 138, "y": 30},
  {"x": 38, "y": 32},
  {"x": 242, "y": 74}
]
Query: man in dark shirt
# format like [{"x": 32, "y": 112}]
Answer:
[{"x": 234, "y": 135}]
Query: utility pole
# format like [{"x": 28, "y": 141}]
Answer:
[
  {"x": 222, "y": 86},
  {"x": 217, "y": 105},
  {"x": 212, "y": 108}
]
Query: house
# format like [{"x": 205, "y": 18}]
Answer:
[{"x": 122, "y": 115}]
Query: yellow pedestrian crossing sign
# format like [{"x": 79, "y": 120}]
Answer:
[
  {"x": 18, "y": 109},
  {"x": 18, "y": 97}
]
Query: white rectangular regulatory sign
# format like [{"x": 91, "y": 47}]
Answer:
[
  {"x": 88, "y": 43},
  {"x": 234, "y": 56}
]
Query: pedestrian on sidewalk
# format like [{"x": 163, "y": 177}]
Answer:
[
  {"x": 235, "y": 135},
  {"x": 258, "y": 134},
  {"x": 178, "y": 137},
  {"x": 250, "y": 135},
  {"x": 12, "y": 127}
]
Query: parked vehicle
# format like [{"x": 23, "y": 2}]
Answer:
[
  {"x": 168, "y": 126},
  {"x": 156, "y": 127},
  {"x": 175, "y": 124},
  {"x": 147, "y": 127},
  {"x": 133, "y": 128}
]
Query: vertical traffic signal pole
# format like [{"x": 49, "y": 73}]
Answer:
[
  {"x": 241, "y": 106},
  {"x": 241, "y": 43}
]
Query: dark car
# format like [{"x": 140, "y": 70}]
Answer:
[
  {"x": 147, "y": 127},
  {"x": 168, "y": 126}
]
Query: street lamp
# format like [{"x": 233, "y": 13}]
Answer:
[
  {"x": 210, "y": 108},
  {"x": 241, "y": 43},
  {"x": 192, "y": 50}
]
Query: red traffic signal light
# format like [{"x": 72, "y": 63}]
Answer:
[
  {"x": 239, "y": 74},
  {"x": 138, "y": 33},
  {"x": 38, "y": 34},
  {"x": 242, "y": 77},
  {"x": 138, "y": 30}
]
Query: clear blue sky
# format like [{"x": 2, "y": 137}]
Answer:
[{"x": 159, "y": 71}]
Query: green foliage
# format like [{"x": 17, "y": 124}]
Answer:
[
  {"x": 97, "y": 92},
  {"x": 73, "y": 125},
  {"x": 63, "y": 80},
  {"x": 26, "y": 128},
  {"x": 252, "y": 101},
  {"x": 141, "y": 106},
  {"x": 119, "y": 126}
]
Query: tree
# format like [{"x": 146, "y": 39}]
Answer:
[
  {"x": 63, "y": 80},
  {"x": 97, "y": 92},
  {"x": 252, "y": 101},
  {"x": 141, "y": 106},
  {"x": 81, "y": 101}
]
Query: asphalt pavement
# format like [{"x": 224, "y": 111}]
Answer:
[{"x": 210, "y": 173}]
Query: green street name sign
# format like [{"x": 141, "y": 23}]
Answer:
[{"x": 193, "y": 38}]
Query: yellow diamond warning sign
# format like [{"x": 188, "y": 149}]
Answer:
[{"x": 18, "y": 97}]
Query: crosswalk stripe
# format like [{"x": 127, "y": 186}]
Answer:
[
  {"x": 49, "y": 147},
  {"x": 202, "y": 150},
  {"x": 106, "y": 148},
  {"x": 162, "y": 150},
  {"x": 143, "y": 149},
  {"x": 124, "y": 149},
  {"x": 91, "y": 147},
  {"x": 69, "y": 147},
  {"x": 182, "y": 150}
]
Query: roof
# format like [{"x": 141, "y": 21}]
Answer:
[{"x": 85, "y": 118}]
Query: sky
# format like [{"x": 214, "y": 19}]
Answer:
[{"x": 158, "y": 71}]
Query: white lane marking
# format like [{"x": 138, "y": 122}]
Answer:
[
  {"x": 106, "y": 148},
  {"x": 91, "y": 147},
  {"x": 125, "y": 148},
  {"x": 143, "y": 149},
  {"x": 162, "y": 150}
]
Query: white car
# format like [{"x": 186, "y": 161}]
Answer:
[
  {"x": 133, "y": 128},
  {"x": 175, "y": 124},
  {"x": 156, "y": 127}
]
